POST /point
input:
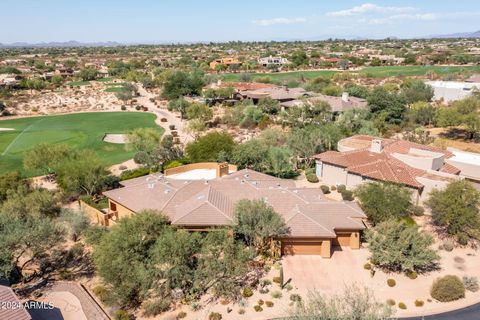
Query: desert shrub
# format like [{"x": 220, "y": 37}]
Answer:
[
  {"x": 258, "y": 308},
  {"x": 264, "y": 290},
  {"x": 123, "y": 108},
  {"x": 66, "y": 274},
  {"x": 277, "y": 280},
  {"x": 130, "y": 174},
  {"x": 470, "y": 283},
  {"x": 391, "y": 282},
  {"x": 265, "y": 282},
  {"x": 341, "y": 188},
  {"x": 347, "y": 195},
  {"x": 447, "y": 288},
  {"x": 458, "y": 259},
  {"x": 247, "y": 292},
  {"x": 76, "y": 251},
  {"x": 289, "y": 287},
  {"x": 412, "y": 275},
  {"x": 260, "y": 302},
  {"x": 463, "y": 239},
  {"x": 241, "y": 311},
  {"x": 181, "y": 315},
  {"x": 367, "y": 266},
  {"x": 295, "y": 297},
  {"x": 101, "y": 293},
  {"x": 138, "y": 108},
  {"x": 215, "y": 316},
  {"x": 224, "y": 302},
  {"x": 310, "y": 171},
  {"x": 276, "y": 294},
  {"x": 269, "y": 304},
  {"x": 195, "y": 306},
  {"x": 391, "y": 302},
  {"x": 402, "y": 305},
  {"x": 325, "y": 189},
  {"x": 333, "y": 188},
  {"x": 418, "y": 211},
  {"x": 419, "y": 303},
  {"x": 312, "y": 177},
  {"x": 448, "y": 246},
  {"x": 153, "y": 308},
  {"x": 123, "y": 315}
]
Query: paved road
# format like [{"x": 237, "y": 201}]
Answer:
[{"x": 468, "y": 313}]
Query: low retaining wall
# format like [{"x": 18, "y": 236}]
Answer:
[
  {"x": 199, "y": 165},
  {"x": 94, "y": 214}
]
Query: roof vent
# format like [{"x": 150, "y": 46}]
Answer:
[{"x": 377, "y": 146}]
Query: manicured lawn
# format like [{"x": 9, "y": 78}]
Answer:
[
  {"x": 81, "y": 130},
  {"x": 115, "y": 89},
  {"x": 105, "y": 79},
  {"x": 79, "y": 83},
  {"x": 377, "y": 72}
]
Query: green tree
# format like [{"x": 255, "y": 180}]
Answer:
[
  {"x": 392, "y": 105},
  {"x": 181, "y": 83},
  {"x": 251, "y": 154},
  {"x": 88, "y": 74},
  {"x": 397, "y": 246},
  {"x": 422, "y": 113},
  {"x": 10, "y": 182},
  {"x": 143, "y": 139},
  {"x": 46, "y": 157},
  {"x": 257, "y": 223},
  {"x": 200, "y": 112},
  {"x": 209, "y": 147},
  {"x": 415, "y": 90},
  {"x": 25, "y": 202},
  {"x": 384, "y": 201},
  {"x": 456, "y": 209},
  {"x": 180, "y": 105}
]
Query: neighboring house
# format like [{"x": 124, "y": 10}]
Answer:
[
  {"x": 273, "y": 61},
  {"x": 363, "y": 158},
  {"x": 315, "y": 223},
  {"x": 453, "y": 90},
  {"x": 10, "y": 80},
  {"x": 11, "y": 308},
  {"x": 240, "y": 87},
  {"x": 337, "y": 104},
  {"x": 387, "y": 58},
  {"x": 281, "y": 94},
  {"x": 224, "y": 61},
  {"x": 64, "y": 72}
]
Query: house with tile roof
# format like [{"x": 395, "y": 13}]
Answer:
[
  {"x": 11, "y": 307},
  {"x": 315, "y": 223},
  {"x": 363, "y": 158}
]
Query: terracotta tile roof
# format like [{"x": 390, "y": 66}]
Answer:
[
  {"x": 212, "y": 203},
  {"x": 8, "y": 296},
  {"x": 382, "y": 166}
]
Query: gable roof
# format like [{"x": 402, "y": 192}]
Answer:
[{"x": 212, "y": 203}]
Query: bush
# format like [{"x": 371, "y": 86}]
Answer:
[
  {"x": 172, "y": 164},
  {"x": 76, "y": 251},
  {"x": 312, "y": 177},
  {"x": 447, "y": 288},
  {"x": 195, "y": 306},
  {"x": 333, "y": 188},
  {"x": 412, "y": 275},
  {"x": 260, "y": 302},
  {"x": 277, "y": 280},
  {"x": 402, "y": 305},
  {"x": 66, "y": 274},
  {"x": 448, "y": 246},
  {"x": 122, "y": 315},
  {"x": 241, "y": 311},
  {"x": 289, "y": 287},
  {"x": 247, "y": 292},
  {"x": 367, "y": 266},
  {"x": 138, "y": 108},
  {"x": 458, "y": 259},
  {"x": 153, "y": 308},
  {"x": 258, "y": 308},
  {"x": 123, "y": 108},
  {"x": 181, "y": 315},
  {"x": 463, "y": 239},
  {"x": 325, "y": 189},
  {"x": 101, "y": 293},
  {"x": 391, "y": 302},
  {"x": 215, "y": 316},
  {"x": 295, "y": 297},
  {"x": 347, "y": 195},
  {"x": 276, "y": 294},
  {"x": 391, "y": 282},
  {"x": 264, "y": 290},
  {"x": 269, "y": 304},
  {"x": 470, "y": 283},
  {"x": 341, "y": 188},
  {"x": 418, "y": 211},
  {"x": 265, "y": 282},
  {"x": 309, "y": 171},
  {"x": 419, "y": 303},
  {"x": 130, "y": 174}
]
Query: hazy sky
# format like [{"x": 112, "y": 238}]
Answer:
[{"x": 207, "y": 20}]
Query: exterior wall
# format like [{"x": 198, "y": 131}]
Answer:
[
  {"x": 95, "y": 215},
  {"x": 354, "y": 237},
  {"x": 332, "y": 175},
  {"x": 326, "y": 249},
  {"x": 199, "y": 165},
  {"x": 353, "y": 180},
  {"x": 120, "y": 212},
  {"x": 467, "y": 170},
  {"x": 429, "y": 185}
]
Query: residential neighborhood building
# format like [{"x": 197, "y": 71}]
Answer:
[
  {"x": 421, "y": 168},
  {"x": 453, "y": 90},
  {"x": 10, "y": 80},
  {"x": 11, "y": 307},
  {"x": 270, "y": 61},
  {"x": 315, "y": 223},
  {"x": 224, "y": 61},
  {"x": 337, "y": 104},
  {"x": 281, "y": 94}
]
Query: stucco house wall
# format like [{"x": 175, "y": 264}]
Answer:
[{"x": 331, "y": 175}]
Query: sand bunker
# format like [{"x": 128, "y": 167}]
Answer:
[
  {"x": 116, "y": 138},
  {"x": 6, "y": 129}
]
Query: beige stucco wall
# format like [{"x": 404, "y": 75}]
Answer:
[
  {"x": 326, "y": 251},
  {"x": 355, "y": 240},
  {"x": 353, "y": 181},
  {"x": 467, "y": 170},
  {"x": 121, "y": 211},
  {"x": 332, "y": 175}
]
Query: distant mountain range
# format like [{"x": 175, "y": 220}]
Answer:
[{"x": 73, "y": 43}]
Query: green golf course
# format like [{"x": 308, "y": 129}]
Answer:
[{"x": 80, "y": 130}]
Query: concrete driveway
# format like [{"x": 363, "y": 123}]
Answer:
[{"x": 310, "y": 272}]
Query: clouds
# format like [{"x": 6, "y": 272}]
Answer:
[
  {"x": 368, "y": 8},
  {"x": 276, "y": 21}
]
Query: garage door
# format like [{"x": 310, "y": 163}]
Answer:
[
  {"x": 292, "y": 247},
  {"x": 343, "y": 239}
]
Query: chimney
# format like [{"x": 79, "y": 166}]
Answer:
[
  {"x": 345, "y": 97},
  {"x": 377, "y": 146}
]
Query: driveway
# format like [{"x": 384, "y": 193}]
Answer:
[{"x": 310, "y": 272}]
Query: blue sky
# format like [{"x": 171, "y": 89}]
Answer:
[{"x": 135, "y": 21}]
